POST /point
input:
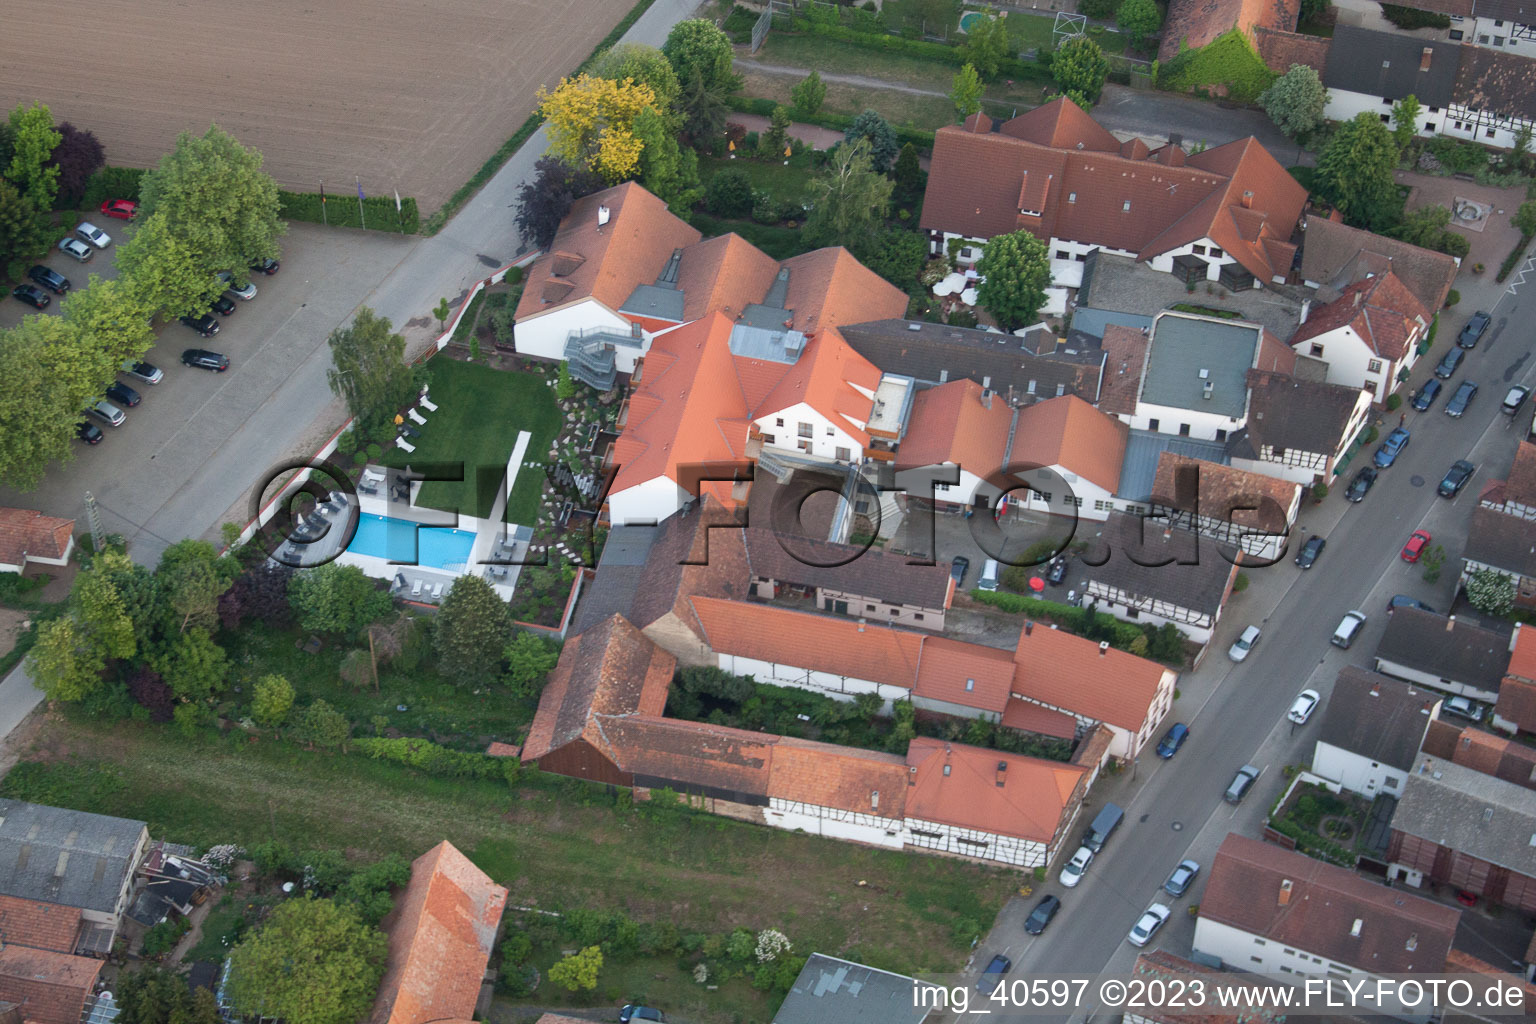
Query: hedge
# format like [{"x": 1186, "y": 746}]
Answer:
[
  {"x": 1408, "y": 19},
  {"x": 111, "y": 183},
  {"x": 837, "y": 122},
  {"x": 1123, "y": 633},
  {"x": 341, "y": 211},
  {"x": 431, "y": 758},
  {"x": 1513, "y": 259},
  {"x": 941, "y": 53},
  {"x": 1229, "y": 59}
]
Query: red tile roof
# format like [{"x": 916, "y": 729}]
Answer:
[
  {"x": 979, "y": 177},
  {"x": 40, "y": 925},
  {"x": 966, "y": 674},
  {"x": 1162, "y": 965},
  {"x": 1222, "y": 492},
  {"x": 950, "y": 424},
  {"x": 1070, "y": 433},
  {"x": 845, "y": 778},
  {"x": 723, "y": 275},
  {"x": 1073, "y": 673},
  {"x": 696, "y": 754},
  {"x": 1194, "y": 23},
  {"x": 557, "y": 1018},
  {"x": 1520, "y": 486},
  {"x": 1028, "y": 803},
  {"x": 51, "y": 987},
  {"x": 499, "y": 749},
  {"x": 605, "y": 262},
  {"x": 1522, "y": 655},
  {"x": 829, "y": 288},
  {"x": 1027, "y": 717},
  {"x": 1517, "y": 693},
  {"x": 1125, "y": 355},
  {"x": 1380, "y": 310},
  {"x": 440, "y": 940},
  {"x": 1280, "y": 49},
  {"x": 1335, "y": 254},
  {"x": 25, "y": 532}
]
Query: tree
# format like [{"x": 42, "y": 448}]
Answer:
[
  {"x": 1427, "y": 227},
  {"x": 543, "y": 201},
  {"x": 704, "y": 109},
  {"x": 1016, "y": 268},
  {"x": 101, "y": 612},
  {"x": 1524, "y": 219},
  {"x": 442, "y": 311},
  {"x": 311, "y": 962},
  {"x": 335, "y": 598},
  {"x": 565, "y": 384},
  {"x": 1490, "y": 592},
  {"x": 849, "y": 200},
  {"x": 165, "y": 274},
  {"x": 1354, "y": 173},
  {"x": 530, "y": 658},
  {"x": 473, "y": 624},
  {"x": 809, "y": 94},
  {"x": 217, "y": 201},
  {"x": 33, "y": 140},
  {"x": 644, "y": 65},
  {"x": 1405, "y": 121},
  {"x": 113, "y": 318},
  {"x": 774, "y": 139},
  {"x": 271, "y": 700},
  {"x": 1295, "y": 101},
  {"x": 193, "y": 666},
  {"x": 1138, "y": 19},
  {"x": 667, "y": 170},
  {"x": 987, "y": 45},
  {"x": 261, "y": 592},
  {"x": 191, "y": 587},
  {"x": 729, "y": 193},
  {"x": 1313, "y": 12},
  {"x": 591, "y": 123},
  {"x": 367, "y": 890},
  {"x": 697, "y": 46},
  {"x": 370, "y": 371},
  {"x": 153, "y": 995},
  {"x": 908, "y": 173},
  {"x": 876, "y": 131},
  {"x": 24, "y": 233},
  {"x": 1079, "y": 68},
  {"x": 578, "y": 971},
  {"x": 965, "y": 91},
  {"x": 77, "y": 156},
  {"x": 324, "y": 726},
  {"x": 896, "y": 255},
  {"x": 63, "y": 374},
  {"x": 63, "y": 662}
]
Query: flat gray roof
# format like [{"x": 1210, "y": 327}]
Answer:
[
  {"x": 1093, "y": 321},
  {"x": 72, "y": 858},
  {"x": 1188, "y": 352},
  {"x": 1476, "y": 814},
  {"x": 833, "y": 991},
  {"x": 1144, "y": 447}
]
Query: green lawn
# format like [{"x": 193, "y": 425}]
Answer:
[
  {"x": 784, "y": 183},
  {"x": 780, "y": 243},
  {"x": 479, "y": 414},
  {"x": 553, "y": 842},
  {"x": 1035, "y": 32}
]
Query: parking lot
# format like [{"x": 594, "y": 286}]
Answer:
[
  {"x": 191, "y": 452},
  {"x": 103, "y": 264}
]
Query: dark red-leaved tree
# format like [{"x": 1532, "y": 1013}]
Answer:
[
  {"x": 154, "y": 693},
  {"x": 258, "y": 593},
  {"x": 77, "y": 156},
  {"x": 543, "y": 202}
]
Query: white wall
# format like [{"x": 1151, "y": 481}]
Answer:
[
  {"x": 1400, "y": 671},
  {"x": 1087, "y": 499},
  {"x": 646, "y": 503},
  {"x": 1349, "y": 358},
  {"x": 1023, "y": 853},
  {"x": 1344, "y": 106},
  {"x": 544, "y": 335},
  {"x": 1199, "y": 634},
  {"x": 1202, "y": 425},
  {"x": 1164, "y": 261},
  {"x": 793, "y": 816},
  {"x": 1245, "y": 951},
  {"x": 822, "y": 443},
  {"x": 832, "y": 685},
  {"x": 1356, "y": 773}
]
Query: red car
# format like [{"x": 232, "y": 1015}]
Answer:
[
  {"x": 1415, "y": 546},
  {"x": 122, "y": 209}
]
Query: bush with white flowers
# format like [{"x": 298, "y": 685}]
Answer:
[
  {"x": 222, "y": 856},
  {"x": 772, "y": 944}
]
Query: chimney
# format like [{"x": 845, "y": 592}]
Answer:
[
  {"x": 1285, "y": 892},
  {"x": 1375, "y": 689},
  {"x": 1002, "y": 773},
  {"x": 1247, "y": 199},
  {"x": 1424, "y": 59},
  {"x": 1354, "y": 929},
  {"x": 1306, "y": 307},
  {"x": 1029, "y": 627},
  {"x": 1206, "y": 389},
  {"x": 1103, "y": 648},
  {"x": 874, "y": 799},
  {"x": 1450, "y": 623},
  {"x": 986, "y": 398},
  {"x": 1357, "y": 300},
  {"x": 603, "y": 214},
  {"x": 1424, "y": 768},
  {"x": 1413, "y": 940}
]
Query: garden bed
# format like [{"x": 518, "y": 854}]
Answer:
[{"x": 1328, "y": 826}]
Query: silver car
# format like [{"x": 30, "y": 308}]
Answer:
[
  {"x": 146, "y": 372},
  {"x": 245, "y": 294},
  {"x": 76, "y": 248},
  {"x": 91, "y": 233},
  {"x": 1072, "y": 873},
  {"x": 108, "y": 413},
  {"x": 1239, "y": 650},
  {"x": 1152, "y": 919}
]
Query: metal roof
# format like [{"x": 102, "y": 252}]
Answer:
[
  {"x": 1093, "y": 321},
  {"x": 1200, "y": 364},
  {"x": 1142, "y": 450},
  {"x": 654, "y": 301},
  {"x": 66, "y": 857},
  {"x": 833, "y": 991},
  {"x": 779, "y": 346}
]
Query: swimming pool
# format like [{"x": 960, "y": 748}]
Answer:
[
  {"x": 969, "y": 19},
  {"x": 399, "y": 540}
]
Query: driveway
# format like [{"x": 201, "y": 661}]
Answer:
[{"x": 1492, "y": 238}]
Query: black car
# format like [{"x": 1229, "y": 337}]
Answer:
[
  {"x": 1461, "y": 399},
  {"x": 1360, "y": 484},
  {"x": 205, "y": 325},
  {"x": 1426, "y": 395},
  {"x": 32, "y": 295},
  {"x": 123, "y": 395},
  {"x": 1456, "y": 478},
  {"x": 222, "y": 306},
  {"x": 1041, "y": 916},
  {"x": 992, "y": 977},
  {"x": 633, "y": 1013},
  {"x": 205, "y": 360},
  {"x": 90, "y": 433},
  {"x": 265, "y": 267},
  {"x": 50, "y": 279},
  {"x": 1448, "y": 364},
  {"x": 1307, "y": 556},
  {"x": 1404, "y": 601},
  {"x": 1058, "y": 572},
  {"x": 1474, "y": 330},
  {"x": 958, "y": 568}
]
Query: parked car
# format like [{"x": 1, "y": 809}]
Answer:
[
  {"x": 1244, "y": 644},
  {"x": 205, "y": 325},
  {"x": 221, "y": 305},
  {"x": 1182, "y": 878},
  {"x": 1041, "y": 916},
  {"x": 50, "y": 279},
  {"x": 1404, "y": 601},
  {"x": 122, "y": 209},
  {"x": 108, "y": 413},
  {"x": 1514, "y": 398},
  {"x": 1170, "y": 744},
  {"x": 958, "y": 567},
  {"x": 1057, "y": 574},
  {"x": 1448, "y": 363},
  {"x": 205, "y": 360},
  {"x": 1475, "y": 329},
  {"x": 1415, "y": 546},
  {"x": 266, "y": 266},
  {"x": 1302, "y": 707},
  {"x": 245, "y": 292},
  {"x": 1463, "y": 708},
  {"x": 1391, "y": 448},
  {"x": 1426, "y": 395},
  {"x": 1243, "y": 781},
  {"x": 1348, "y": 628},
  {"x": 123, "y": 395},
  {"x": 1456, "y": 478},
  {"x": 146, "y": 372},
  {"x": 32, "y": 295},
  {"x": 1072, "y": 872},
  {"x": 1153, "y": 918},
  {"x": 88, "y": 232},
  {"x": 77, "y": 249},
  {"x": 1307, "y": 556},
  {"x": 992, "y": 977},
  {"x": 90, "y": 433},
  {"x": 1360, "y": 484},
  {"x": 630, "y": 1013},
  {"x": 1461, "y": 399}
]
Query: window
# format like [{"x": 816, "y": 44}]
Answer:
[
  {"x": 1384, "y": 118},
  {"x": 970, "y": 684},
  {"x": 1216, "y": 252},
  {"x": 843, "y": 455},
  {"x": 1082, "y": 257},
  {"x": 1483, "y": 40},
  {"x": 1071, "y": 197},
  {"x": 1429, "y": 126},
  {"x": 1498, "y": 40},
  {"x": 1391, "y": 781},
  {"x": 1374, "y": 366},
  {"x": 1488, "y": 132},
  {"x": 895, "y": 611},
  {"x": 1152, "y": 425},
  {"x": 1386, "y": 103},
  {"x": 971, "y": 842},
  {"x": 1221, "y": 435},
  {"x": 1132, "y": 613},
  {"x": 1100, "y": 505},
  {"x": 779, "y": 422},
  {"x": 869, "y": 607},
  {"x": 768, "y": 439},
  {"x": 941, "y": 485},
  {"x": 1045, "y": 496},
  {"x": 805, "y": 430},
  {"x": 1498, "y": 24},
  {"x": 930, "y": 835},
  {"x": 1183, "y": 429},
  {"x": 1073, "y": 500},
  {"x": 1317, "y": 350},
  {"x": 1127, "y": 207},
  {"x": 918, "y": 617},
  {"x": 1434, "y": 110},
  {"x": 1198, "y": 250},
  {"x": 1456, "y": 34}
]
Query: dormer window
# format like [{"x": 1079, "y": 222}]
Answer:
[
  {"x": 1071, "y": 197},
  {"x": 1127, "y": 207}
]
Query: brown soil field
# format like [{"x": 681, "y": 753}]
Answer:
[{"x": 406, "y": 94}]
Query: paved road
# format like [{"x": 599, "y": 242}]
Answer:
[
  {"x": 1156, "y": 113},
  {"x": 1236, "y": 712}
]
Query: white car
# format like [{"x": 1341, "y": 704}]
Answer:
[
  {"x": 1302, "y": 708},
  {"x": 108, "y": 413},
  {"x": 76, "y": 248},
  {"x": 1154, "y": 918},
  {"x": 245, "y": 294},
  {"x": 1072, "y": 873},
  {"x": 1239, "y": 650},
  {"x": 91, "y": 233}
]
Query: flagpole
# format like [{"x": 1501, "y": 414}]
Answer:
[
  {"x": 323, "y": 219},
  {"x": 360, "y": 215}
]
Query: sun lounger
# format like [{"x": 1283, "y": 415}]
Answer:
[
  {"x": 417, "y": 417},
  {"x": 426, "y": 403},
  {"x": 404, "y": 444},
  {"x": 416, "y": 588},
  {"x": 437, "y": 592}
]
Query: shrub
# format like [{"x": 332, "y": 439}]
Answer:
[
  {"x": 346, "y": 444},
  {"x": 764, "y": 209},
  {"x": 729, "y": 193},
  {"x": 1452, "y": 297},
  {"x": 1103, "y": 10},
  {"x": 374, "y": 451},
  {"x": 1394, "y": 401},
  {"x": 340, "y": 211},
  {"x": 431, "y": 758},
  {"x": 111, "y": 183},
  {"x": 1229, "y": 59},
  {"x": 1408, "y": 19},
  {"x": 162, "y": 938},
  {"x": 1516, "y": 255}
]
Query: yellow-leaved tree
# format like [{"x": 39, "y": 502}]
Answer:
[{"x": 591, "y": 123}]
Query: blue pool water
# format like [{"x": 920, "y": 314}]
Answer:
[{"x": 399, "y": 540}]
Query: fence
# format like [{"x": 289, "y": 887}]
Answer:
[{"x": 760, "y": 28}]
